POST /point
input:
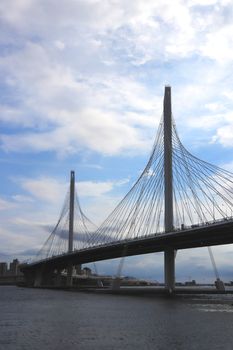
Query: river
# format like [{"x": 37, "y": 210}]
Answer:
[{"x": 39, "y": 319}]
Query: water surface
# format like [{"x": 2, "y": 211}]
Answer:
[{"x": 32, "y": 319}]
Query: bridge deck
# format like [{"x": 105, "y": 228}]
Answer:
[{"x": 208, "y": 235}]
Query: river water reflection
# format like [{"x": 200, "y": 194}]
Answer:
[{"x": 32, "y": 319}]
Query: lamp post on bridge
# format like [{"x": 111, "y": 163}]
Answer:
[{"x": 169, "y": 253}]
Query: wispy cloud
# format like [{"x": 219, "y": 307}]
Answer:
[{"x": 5, "y": 204}]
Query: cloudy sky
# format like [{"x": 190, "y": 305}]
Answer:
[{"x": 81, "y": 89}]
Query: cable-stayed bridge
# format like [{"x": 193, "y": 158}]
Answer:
[{"x": 178, "y": 202}]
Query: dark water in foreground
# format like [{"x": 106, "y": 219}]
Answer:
[{"x": 32, "y": 319}]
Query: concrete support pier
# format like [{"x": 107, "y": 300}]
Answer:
[
  {"x": 58, "y": 278},
  {"x": 169, "y": 254},
  {"x": 169, "y": 270},
  {"x": 38, "y": 278},
  {"x": 69, "y": 279}
]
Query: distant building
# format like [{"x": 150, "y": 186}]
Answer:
[
  {"x": 190, "y": 283},
  {"x": 179, "y": 284},
  {"x": 3, "y": 268},
  {"x": 14, "y": 268},
  {"x": 87, "y": 271}
]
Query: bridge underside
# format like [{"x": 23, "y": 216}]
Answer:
[{"x": 215, "y": 234}]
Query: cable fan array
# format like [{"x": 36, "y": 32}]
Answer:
[
  {"x": 57, "y": 242},
  {"x": 202, "y": 194}
]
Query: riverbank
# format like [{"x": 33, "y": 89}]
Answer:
[{"x": 142, "y": 291}]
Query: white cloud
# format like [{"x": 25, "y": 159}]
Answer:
[
  {"x": 99, "y": 208},
  {"x": 44, "y": 188},
  {"x": 59, "y": 44},
  {"x": 224, "y": 136},
  {"x": 202, "y": 2},
  {"x": 206, "y": 122},
  {"x": 214, "y": 107},
  {"x": 97, "y": 188},
  {"x": 22, "y": 199},
  {"x": 219, "y": 45},
  {"x": 144, "y": 30},
  {"x": 13, "y": 11},
  {"x": 94, "y": 130},
  {"x": 6, "y": 205},
  {"x": 68, "y": 111},
  {"x": 19, "y": 240},
  {"x": 68, "y": 96},
  {"x": 50, "y": 189}
]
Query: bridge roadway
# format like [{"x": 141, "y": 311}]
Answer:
[{"x": 217, "y": 233}]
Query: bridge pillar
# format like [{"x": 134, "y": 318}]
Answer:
[
  {"x": 116, "y": 283},
  {"x": 78, "y": 269},
  {"x": 58, "y": 278},
  {"x": 169, "y": 270},
  {"x": 38, "y": 278},
  {"x": 69, "y": 278},
  {"x": 169, "y": 254},
  {"x": 71, "y": 212}
]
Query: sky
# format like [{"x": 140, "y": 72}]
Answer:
[{"x": 81, "y": 88}]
